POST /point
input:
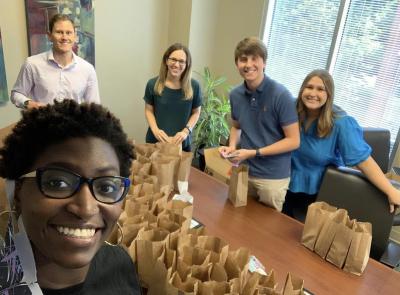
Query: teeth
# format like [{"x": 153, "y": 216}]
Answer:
[{"x": 83, "y": 233}]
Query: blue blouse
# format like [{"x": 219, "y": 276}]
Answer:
[{"x": 344, "y": 146}]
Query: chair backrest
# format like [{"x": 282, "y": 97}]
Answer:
[
  {"x": 379, "y": 140},
  {"x": 349, "y": 189}
]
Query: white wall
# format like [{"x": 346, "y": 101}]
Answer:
[
  {"x": 131, "y": 36},
  {"x": 179, "y": 21},
  {"x": 15, "y": 49},
  {"x": 237, "y": 19}
]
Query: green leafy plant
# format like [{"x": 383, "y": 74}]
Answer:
[{"x": 212, "y": 126}]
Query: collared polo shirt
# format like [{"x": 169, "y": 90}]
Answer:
[{"x": 261, "y": 115}]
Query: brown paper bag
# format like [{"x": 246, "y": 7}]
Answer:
[
  {"x": 133, "y": 208},
  {"x": 218, "y": 273},
  {"x": 164, "y": 170},
  {"x": 184, "y": 166},
  {"x": 293, "y": 285},
  {"x": 139, "y": 179},
  {"x": 140, "y": 168},
  {"x": 144, "y": 149},
  {"x": 328, "y": 232},
  {"x": 267, "y": 284},
  {"x": 218, "y": 247},
  {"x": 164, "y": 266},
  {"x": 145, "y": 250},
  {"x": 237, "y": 265},
  {"x": 200, "y": 272},
  {"x": 141, "y": 189},
  {"x": 193, "y": 256},
  {"x": 182, "y": 208},
  {"x": 213, "y": 288},
  {"x": 360, "y": 246},
  {"x": 317, "y": 214},
  {"x": 170, "y": 149},
  {"x": 186, "y": 240},
  {"x": 250, "y": 286},
  {"x": 175, "y": 286},
  {"x": 341, "y": 242},
  {"x": 181, "y": 220},
  {"x": 130, "y": 232},
  {"x": 238, "y": 185}
]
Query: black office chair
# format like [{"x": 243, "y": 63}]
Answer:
[
  {"x": 350, "y": 189},
  {"x": 379, "y": 140}
]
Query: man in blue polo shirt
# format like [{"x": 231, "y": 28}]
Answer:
[{"x": 264, "y": 123}]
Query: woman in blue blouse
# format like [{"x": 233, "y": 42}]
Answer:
[{"x": 328, "y": 136}]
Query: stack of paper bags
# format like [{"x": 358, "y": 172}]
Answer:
[{"x": 331, "y": 234}]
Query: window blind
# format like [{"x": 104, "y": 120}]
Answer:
[{"x": 299, "y": 39}]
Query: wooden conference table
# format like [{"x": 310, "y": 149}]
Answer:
[{"x": 274, "y": 239}]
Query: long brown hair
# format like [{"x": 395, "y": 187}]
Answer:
[
  {"x": 326, "y": 115},
  {"x": 186, "y": 77}
]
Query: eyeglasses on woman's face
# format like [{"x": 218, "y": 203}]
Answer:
[
  {"x": 173, "y": 60},
  {"x": 59, "y": 183}
]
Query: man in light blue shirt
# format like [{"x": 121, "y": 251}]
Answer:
[{"x": 57, "y": 74}]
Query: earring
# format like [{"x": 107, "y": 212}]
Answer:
[
  {"x": 8, "y": 211},
  {"x": 13, "y": 215},
  {"x": 120, "y": 236}
]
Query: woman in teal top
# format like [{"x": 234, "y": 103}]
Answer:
[
  {"x": 173, "y": 99},
  {"x": 328, "y": 136}
]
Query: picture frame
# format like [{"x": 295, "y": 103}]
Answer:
[
  {"x": 38, "y": 14},
  {"x": 3, "y": 80}
]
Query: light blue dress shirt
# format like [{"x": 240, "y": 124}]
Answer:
[{"x": 42, "y": 79}]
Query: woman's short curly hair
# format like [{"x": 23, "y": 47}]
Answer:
[{"x": 45, "y": 126}]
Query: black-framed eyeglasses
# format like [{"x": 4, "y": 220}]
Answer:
[
  {"x": 173, "y": 60},
  {"x": 58, "y": 183}
]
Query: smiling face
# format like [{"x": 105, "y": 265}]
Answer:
[
  {"x": 62, "y": 36},
  {"x": 176, "y": 64},
  {"x": 251, "y": 68},
  {"x": 314, "y": 95},
  {"x": 68, "y": 232}
]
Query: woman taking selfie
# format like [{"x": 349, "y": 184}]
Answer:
[{"x": 70, "y": 164}]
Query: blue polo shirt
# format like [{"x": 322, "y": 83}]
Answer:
[{"x": 261, "y": 115}]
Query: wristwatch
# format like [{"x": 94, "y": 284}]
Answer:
[
  {"x": 258, "y": 153},
  {"x": 188, "y": 128},
  {"x": 26, "y": 103}
]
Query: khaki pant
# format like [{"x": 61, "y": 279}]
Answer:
[{"x": 271, "y": 192}]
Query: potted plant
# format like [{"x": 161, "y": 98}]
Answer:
[{"x": 212, "y": 127}]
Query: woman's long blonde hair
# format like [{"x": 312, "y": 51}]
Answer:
[
  {"x": 186, "y": 77},
  {"x": 326, "y": 115}
]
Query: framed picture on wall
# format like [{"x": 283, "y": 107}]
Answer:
[
  {"x": 38, "y": 14},
  {"x": 3, "y": 80}
]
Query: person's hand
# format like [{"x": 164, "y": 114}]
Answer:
[
  {"x": 394, "y": 199},
  {"x": 179, "y": 137},
  {"x": 240, "y": 155},
  {"x": 225, "y": 151},
  {"x": 35, "y": 104},
  {"x": 161, "y": 135}
]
